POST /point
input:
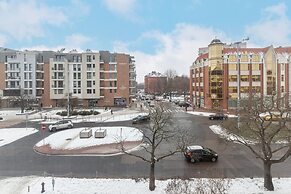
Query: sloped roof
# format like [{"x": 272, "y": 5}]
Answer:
[{"x": 283, "y": 50}]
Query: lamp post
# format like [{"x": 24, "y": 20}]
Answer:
[{"x": 238, "y": 78}]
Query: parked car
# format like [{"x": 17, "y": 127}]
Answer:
[
  {"x": 218, "y": 116},
  {"x": 184, "y": 104},
  {"x": 140, "y": 119},
  {"x": 197, "y": 153},
  {"x": 275, "y": 116},
  {"x": 63, "y": 124}
]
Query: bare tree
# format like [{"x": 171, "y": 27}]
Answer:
[
  {"x": 170, "y": 74},
  {"x": 157, "y": 133},
  {"x": 22, "y": 100},
  {"x": 265, "y": 129}
]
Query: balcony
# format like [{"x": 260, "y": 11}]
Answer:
[
  {"x": 58, "y": 77},
  {"x": 12, "y": 79},
  {"x": 13, "y": 70}
]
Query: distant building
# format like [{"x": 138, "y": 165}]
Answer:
[
  {"x": 155, "y": 83},
  {"x": 214, "y": 74},
  {"x": 48, "y": 78}
]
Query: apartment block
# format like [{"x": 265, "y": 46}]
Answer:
[
  {"x": 82, "y": 79},
  {"x": 155, "y": 83},
  {"x": 214, "y": 75}
]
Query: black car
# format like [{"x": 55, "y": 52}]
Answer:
[
  {"x": 184, "y": 104},
  {"x": 140, "y": 119},
  {"x": 197, "y": 153},
  {"x": 218, "y": 116}
]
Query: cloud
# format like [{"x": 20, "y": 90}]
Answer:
[
  {"x": 274, "y": 28},
  {"x": 26, "y": 19},
  {"x": 121, "y": 7},
  {"x": 174, "y": 50},
  {"x": 73, "y": 41},
  {"x": 76, "y": 40}
]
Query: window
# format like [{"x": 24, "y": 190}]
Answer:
[
  {"x": 89, "y": 67},
  {"x": 256, "y": 78},
  {"x": 89, "y": 75},
  {"x": 79, "y": 84},
  {"x": 233, "y": 78},
  {"x": 79, "y": 75},
  {"x": 282, "y": 78},
  {"x": 244, "y": 78},
  {"x": 89, "y": 91},
  {"x": 88, "y": 58},
  {"x": 60, "y": 67},
  {"x": 110, "y": 90},
  {"x": 93, "y": 83},
  {"x": 89, "y": 84}
]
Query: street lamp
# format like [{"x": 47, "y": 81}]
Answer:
[{"x": 238, "y": 78}]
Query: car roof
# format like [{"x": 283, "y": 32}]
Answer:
[{"x": 195, "y": 147}]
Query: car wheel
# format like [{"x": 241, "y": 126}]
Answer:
[
  {"x": 213, "y": 159},
  {"x": 54, "y": 129},
  {"x": 192, "y": 160}
]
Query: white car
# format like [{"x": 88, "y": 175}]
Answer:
[{"x": 64, "y": 124}]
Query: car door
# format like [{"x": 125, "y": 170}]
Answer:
[
  {"x": 206, "y": 155},
  {"x": 61, "y": 125}
]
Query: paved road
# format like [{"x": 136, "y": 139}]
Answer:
[{"x": 19, "y": 159}]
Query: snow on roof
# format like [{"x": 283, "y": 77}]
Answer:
[{"x": 155, "y": 74}]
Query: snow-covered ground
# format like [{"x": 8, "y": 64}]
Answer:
[
  {"x": 8, "y": 135},
  {"x": 206, "y": 114},
  {"x": 21, "y": 185},
  {"x": 69, "y": 139}
]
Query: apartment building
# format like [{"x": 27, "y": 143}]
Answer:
[
  {"x": 214, "y": 74},
  {"x": 21, "y": 75},
  {"x": 52, "y": 79},
  {"x": 155, "y": 83}
]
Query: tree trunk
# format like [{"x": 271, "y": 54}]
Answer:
[
  {"x": 268, "y": 183},
  {"x": 152, "y": 185}
]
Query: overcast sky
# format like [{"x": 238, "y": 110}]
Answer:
[{"x": 161, "y": 34}]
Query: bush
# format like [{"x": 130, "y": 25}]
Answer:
[{"x": 201, "y": 186}]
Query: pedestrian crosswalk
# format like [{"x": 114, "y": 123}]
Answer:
[{"x": 175, "y": 110}]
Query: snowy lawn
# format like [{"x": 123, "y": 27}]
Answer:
[
  {"x": 69, "y": 139},
  {"x": 20, "y": 185},
  {"x": 8, "y": 135},
  {"x": 205, "y": 114}
]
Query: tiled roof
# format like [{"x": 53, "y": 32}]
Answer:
[
  {"x": 283, "y": 50},
  {"x": 203, "y": 56}
]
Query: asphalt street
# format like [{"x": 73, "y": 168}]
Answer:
[{"x": 19, "y": 159}]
